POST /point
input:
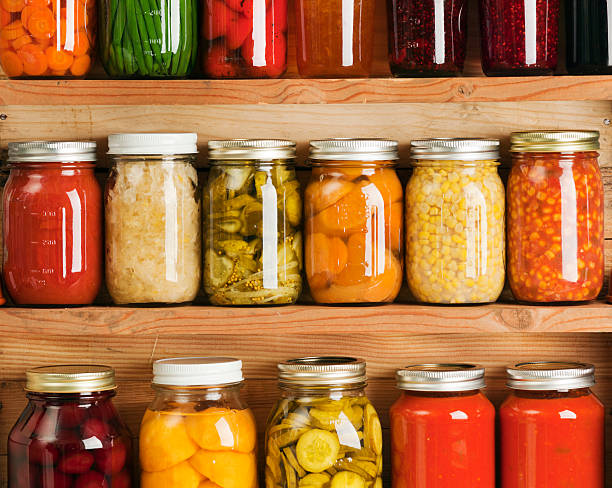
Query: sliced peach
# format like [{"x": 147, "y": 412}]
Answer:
[
  {"x": 358, "y": 262},
  {"x": 208, "y": 484},
  {"x": 350, "y": 213},
  {"x": 394, "y": 225},
  {"x": 388, "y": 183},
  {"x": 183, "y": 475},
  {"x": 220, "y": 429},
  {"x": 226, "y": 468},
  {"x": 325, "y": 258},
  {"x": 321, "y": 194}
]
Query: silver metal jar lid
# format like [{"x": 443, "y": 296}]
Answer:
[
  {"x": 455, "y": 149},
  {"x": 550, "y": 375},
  {"x": 353, "y": 150},
  {"x": 70, "y": 378},
  {"x": 554, "y": 141},
  {"x": 251, "y": 149},
  {"x": 51, "y": 152},
  {"x": 441, "y": 377},
  {"x": 323, "y": 371}
]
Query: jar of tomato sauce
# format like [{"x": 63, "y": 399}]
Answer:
[
  {"x": 52, "y": 224},
  {"x": 552, "y": 427},
  {"x": 555, "y": 217},
  {"x": 442, "y": 428},
  {"x": 353, "y": 210}
]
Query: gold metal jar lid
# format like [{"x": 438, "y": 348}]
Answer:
[
  {"x": 550, "y": 375},
  {"x": 441, "y": 377},
  {"x": 554, "y": 141},
  {"x": 251, "y": 149},
  {"x": 455, "y": 149},
  {"x": 70, "y": 378},
  {"x": 323, "y": 371},
  {"x": 354, "y": 150}
]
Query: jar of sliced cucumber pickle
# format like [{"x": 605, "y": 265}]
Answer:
[
  {"x": 252, "y": 223},
  {"x": 323, "y": 431}
]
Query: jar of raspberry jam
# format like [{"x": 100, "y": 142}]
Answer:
[
  {"x": 555, "y": 217},
  {"x": 519, "y": 37},
  {"x": 427, "y": 37},
  {"x": 70, "y": 434}
]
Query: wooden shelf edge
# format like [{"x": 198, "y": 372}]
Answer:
[
  {"x": 392, "y": 319},
  {"x": 303, "y": 91}
]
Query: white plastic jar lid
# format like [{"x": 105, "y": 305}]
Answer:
[
  {"x": 198, "y": 371},
  {"x": 168, "y": 143}
]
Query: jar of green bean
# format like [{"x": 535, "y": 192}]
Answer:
[{"x": 148, "y": 38}]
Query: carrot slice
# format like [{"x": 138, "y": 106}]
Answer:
[
  {"x": 80, "y": 66},
  {"x": 4, "y": 43},
  {"x": 81, "y": 43},
  {"x": 12, "y": 5},
  {"x": 11, "y": 64},
  {"x": 58, "y": 73},
  {"x": 12, "y": 31},
  {"x": 34, "y": 60},
  {"x": 38, "y": 3},
  {"x": 58, "y": 60},
  {"x": 41, "y": 23},
  {"x": 21, "y": 41},
  {"x": 43, "y": 43},
  {"x": 5, "y": 17},
  {"x": 25, "y": 14}
]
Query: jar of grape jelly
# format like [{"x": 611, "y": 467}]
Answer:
[{"x": 70, "y": 434}]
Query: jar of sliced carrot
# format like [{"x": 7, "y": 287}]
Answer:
[
  {"x": 47, "y": 38},
  {"x": 354, "y": 221},
  {"x": 555, "y": 217}
]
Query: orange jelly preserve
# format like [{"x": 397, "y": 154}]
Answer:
[
  {"x": 442, "y": 428},
  {"x": 552, "y": 427},
  {"x": 555, "y": 217}
]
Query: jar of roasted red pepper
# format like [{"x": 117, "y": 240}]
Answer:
[
  {"x": 70, "y": 434},
  {"x": 519, "y": 37},
  {"x": 52, "y": 224},
  {"x": 555, "y": 217},
  {"x": 442, "y": 428},
  {"x": 244, "y": 38},
  {"x": 427, "y": 37},
  {"x": 552, "y": 427}
]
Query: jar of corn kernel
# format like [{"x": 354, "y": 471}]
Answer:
[{"x": 455, "y": 242}]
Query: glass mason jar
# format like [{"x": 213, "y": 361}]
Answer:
[
  {"x": 323, "y": 430},
  {"x": 519, "y": 37},
  {"x": 47, "y": 38},
  {"x": 52, "y": 224},
  {"x": 198, "y": 431},
  {"x": 455, "y": 245},
  {"x": 552, "y": 427},
  {"x": 334, "y": 39},
  {"x": 588, "y": 24},
  {"x": 555, "y": 217},
  {"x": 442, "y": 428},
  {"x": 427, "y": 37},
  {"x": 152, "y": 208},
  {"x": 148, "y": 39},
  {"x": 252, "y": 223},
  {"x": 354, "y": 221},
  {"x": 70, "y": 434},
  {"x": 244, "y": 38}
]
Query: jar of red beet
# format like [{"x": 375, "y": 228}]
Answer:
[
  {"x": 52, "y": 224},
  {"x": 555, "y": 217},
  {"x": 427, "y": 37},
  {"x": 519, "y": 37},
  {"x": 70, "y": 434}
]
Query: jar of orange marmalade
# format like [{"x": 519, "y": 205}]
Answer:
[
  {"x": 353, "y": 209},
  {"x": 555, "y": 217}
]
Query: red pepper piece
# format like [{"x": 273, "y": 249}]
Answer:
[
  {"x": 244, "y": 7},
  {"x": 217, "y": 19},
  {"x": 237, "y": 32},
  {"x": 76, "y": 462},
  {"x": 276, "y": 17},
  {"x": 217, "y": 65},
  {"x": 112, "y": 459},
  {"x": 275, "y": 56},
  {"x": 93, "y": 479},
  {"x": 42, "y": 452}
]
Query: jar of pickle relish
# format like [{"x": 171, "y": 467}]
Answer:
[
  {"x": 323, "y": 431},
  {"x": 70, "y": 434},
  {"x": 555, "y": 217}
]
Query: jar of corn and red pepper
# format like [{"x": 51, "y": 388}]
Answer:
[{"x": 555, "y": 217}]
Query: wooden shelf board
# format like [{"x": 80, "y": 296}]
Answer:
[
  {"x": 306, "y": 319},
  {"x": 303, "y": 91}
]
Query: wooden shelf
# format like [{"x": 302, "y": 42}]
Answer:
[
  {"x": 303, "y": 91},
  {"x": 305, "y": 319}
]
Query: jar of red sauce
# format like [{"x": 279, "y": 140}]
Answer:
[
  {"x": 69, "y": 434},
  {"x": 52, "y": 224},
  {"x": 555, "y": 217},
  {"x": 519, "y": 37},
  {"x": 552, "y": 427},
  {"x": 442, "y": 428}
]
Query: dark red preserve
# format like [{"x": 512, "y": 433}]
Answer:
[
  {"x": 519, "y": 37},
  {"x": 70, "y": 435},
  {"x": 427, "y": 37}
]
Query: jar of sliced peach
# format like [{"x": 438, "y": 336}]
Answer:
[
  {"x": 198, "y": 432},
  {"x": 353, "y": 210},
  {"x": 455, "y": 244}
]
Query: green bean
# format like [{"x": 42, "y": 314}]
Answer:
[
  {"x": 134, "y": 37},
  {"x": 144, "y": 38},
  {"x": 166, "y": 53},
  {"x": 153, "y": 21},
  {"x": 186, "y": 54}
]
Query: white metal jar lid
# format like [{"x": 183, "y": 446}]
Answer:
[
  {"x": 353, "y": 150},
  {"x": 322, "y": 371},
  {"x": 197, "y": 371},
  {"x": 455, "y": 149},
  {"x": 51, "y": 151},
  {"x": 441, "y": 377},
  {"x": 148, "y": 144},
  {"x": 550, "y": 375}
]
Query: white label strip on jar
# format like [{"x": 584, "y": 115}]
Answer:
[
  {"x": 269, "y": 199},
  {"x": 569, "y": 224},
  {"x": 348, "y": 14},
  {"x": 171, "y": 237},
  {"x": 439, "y": 34},
  {"x": 531, "y": 23},
  {"x": 259, "y": 33}
]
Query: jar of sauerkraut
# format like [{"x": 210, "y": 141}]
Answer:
[
  {"x": 152, "y": 210},
  {"x": 455, "y": 241},
  {"x": 252, "y": 223}
]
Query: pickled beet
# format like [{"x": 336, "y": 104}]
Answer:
[
  {"x": 72, "y": 415},
  {"x": 93, "y": 479},
  {"x": 95, "y": 427},
  {"x": 120, "y": 480},
  {"x": 111, "y": 460},
  {"x": 54, "y": 479},
  {"x": 43, "y": 452},
  {"x": 76, "y": 462}
]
